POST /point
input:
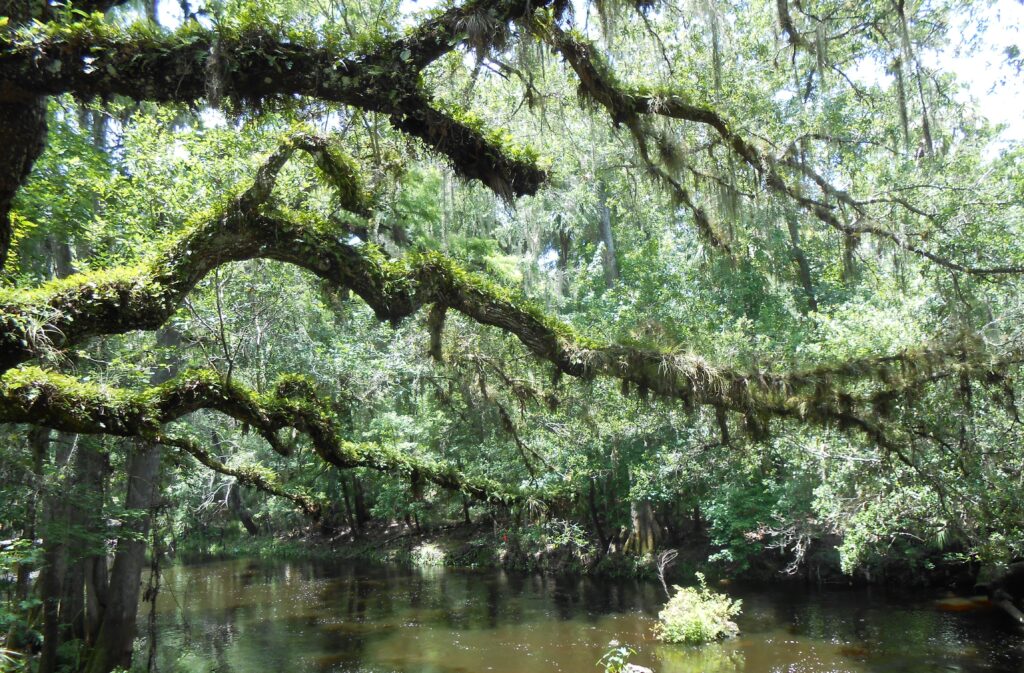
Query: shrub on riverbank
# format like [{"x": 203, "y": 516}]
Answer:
[
  {"x": 697, "y": 615},
  {"x": 428, "y": 555}
]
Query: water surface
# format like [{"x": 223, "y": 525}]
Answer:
[{"x": 254, "y": 616}]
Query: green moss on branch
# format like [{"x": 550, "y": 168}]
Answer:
[
  {"x": 48, "y": 399},
  {"x": 242, "y": 63}
]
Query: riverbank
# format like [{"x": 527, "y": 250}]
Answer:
[
  {"x": 558, "y": 549},
  {"x": 536, "y": 549}
]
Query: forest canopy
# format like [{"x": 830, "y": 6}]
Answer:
[{"x": 738, "y": 278}]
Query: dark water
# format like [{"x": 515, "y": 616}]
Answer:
[{"x": 251, "y": 617}]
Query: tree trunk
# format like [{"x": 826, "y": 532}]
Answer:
[
  {"x": 362, "y": 515},
  {"x": 22, "y": 128},
  {"x": 901, "y": 99},
  {"x": 237, "y": 507},
  {"x": 22, "y": 135},
  {"x": 803, "y": 267},
  {"x": 96, "y": 592},
  {"x": 85, "y": 489},
  {"x": 72, "y": 602},
  {"x": 645, "y": 534},
  {"x": 39, "y": 442},
  {"x": 117, "y": 628},
  {"x": 94, "y": 470},
  {"x": 564, "y": 250},
  {"x": 51, "y": 578},
  {"x": 850, "y": 245},
  {"x": 350, "y": 516},
  {"x": 113, "y": 646},
  {"x": 595, "y": 517},
  {"x": 609, "y": 261},
  {"x": 61, "y": 257}
]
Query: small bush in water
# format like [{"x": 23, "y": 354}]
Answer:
[{"x": 697, "y": 615}]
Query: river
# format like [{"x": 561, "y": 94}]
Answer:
[{"x": 275, "y": 616}]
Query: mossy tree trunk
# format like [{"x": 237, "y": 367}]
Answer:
[{"x": 22, "y": 129}]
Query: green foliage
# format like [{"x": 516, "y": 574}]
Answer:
[
  {"x": 554, "y": 545},
  {"x": 697, "y": 615},
  {"x": 428, "y": 555},
  {"x": 125, "y": 190},
  {"x": 735, "y": 515},
  {"x": 616, "y": 658}
]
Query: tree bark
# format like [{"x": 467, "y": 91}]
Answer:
[
  {"x": 237, "y": 507},
  {"x": 116, "y": 634},
  {"x": 595, "y": 516},
  {"x": 94, "y": 471},
  {"x": 645, "y": 533},
  {"x": 362, "y": 514},
  {"x": 350, "y": 516},
  {"x": 39, "y": 443},
  {"x": 72, "y": 602},
  {"x": 51, "y": 578},
  {"x": 85, "y": 491},
  {"x": 22, "y": 129},
  {"x": 609, "y": 260},
  {"x": 802, "y": 265},
  {"x": 564, "y": 250},
  {"x": 23, "y": 136}
]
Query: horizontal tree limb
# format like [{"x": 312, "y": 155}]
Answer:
[
  {"x": 62, "y": 313},
  {"x": 251, "y": 64},
  {"x": 32, "y": 395},
  {"x": 250, "y": 476}
]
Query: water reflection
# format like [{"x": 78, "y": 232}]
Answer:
[{"x": 248, "y": 617}]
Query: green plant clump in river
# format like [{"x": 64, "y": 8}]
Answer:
[{"x": 697, "y": 615}]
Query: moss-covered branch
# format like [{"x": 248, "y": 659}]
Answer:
[
  {"x": 92, "y": 58},
  {"x": 66, "y": 311},
  {"x": 33, "y": 395},
  {"x": 86, "y": 305},
  {"x": 259, "y": 479},
  {"x": 599, "y": 85},
  {"x": 62, "y": 313}
]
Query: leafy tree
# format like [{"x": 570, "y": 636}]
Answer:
[{"x": 345, "y": 259}]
